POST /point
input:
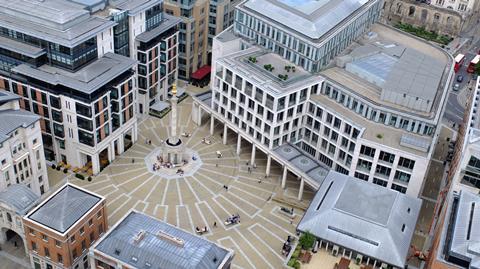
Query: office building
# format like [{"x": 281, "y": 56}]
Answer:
[
  {"x": 467, "y": 158},
  {"x": 21, "y": 148},
  {"x": 60, "y": 229},
  {"x": 201, "y": 21},
  {"x": 456, "y": 240},
  {"x": 140, "y": 241},
  {"x": 336, "y": 92},
  {"x": 73, "y": 63},
  {"x": 15, "y": 202},
  {"x": 362, "y": 221}
]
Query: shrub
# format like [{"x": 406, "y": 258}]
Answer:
[
  {"x": 297, "y": 264},
  {"x": 296, "y": 253},
  {"x": 268, "y": 67},
  {"x": 306, "y": 240},
  {"x": 252, "y": 59},
  {"x": 65, "y": 170},
  {"x": 379, "y": 136},
  {"x": 357, "y": 260},
  {"x": 291, "y": 262},
  {"x": 89, "y": 178},
  {"x": 80, "y": 176},
  {"x": 54, "y": 166}
]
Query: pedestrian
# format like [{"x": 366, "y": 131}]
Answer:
[
  {"x": 215, "y": 224},
  {"x": 259, "y": 181},
  {"x": 15, "y": 244},
  {"x": 133, "y": 160},
  {"x": 247, "y": 163}
]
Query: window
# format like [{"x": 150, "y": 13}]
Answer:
[
  {"x": 399, "y": 175},
  {"x": 92, "y": 237},
  {"x": 82, "y": 230},
  {"x": 399, "y": 188},
  {"x": 31, "y": 231},
  {"x": 406, "y": 163},
  {"x": 386, "y": 157},
  {"x": 47, "y": 252},
  {"x": 380, "y": 182},
  {"x": 72, "y": 239},
  {"x": 361, "y": 176},
  {"x": 74, "y": 253},
  {"x": 99, "y": 214},
  {"x": 59, "y": 258},
  {"x": 383, "y": 170},
  {"x": 58, "y": 243},
  {"x": 367, "y": 151},
  {"x": 90, "y": 222},
  {"x": 45, "y": 238},
  {"x": 84, "y": 245},
  {"x": 34, "y": 246},
  {"x": 364, "y": 165}
]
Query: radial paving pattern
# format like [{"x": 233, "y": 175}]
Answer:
[{"x": 199, "y": 199}]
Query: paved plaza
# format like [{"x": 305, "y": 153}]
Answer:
[{"x": 200, "y": 199}]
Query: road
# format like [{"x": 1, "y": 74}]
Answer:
[{"x": 454, "y": 111}]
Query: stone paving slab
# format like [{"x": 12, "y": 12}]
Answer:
[{"x": 199, "y": 199}]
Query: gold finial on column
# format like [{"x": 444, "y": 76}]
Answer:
[{"x": 174, "y": 89}]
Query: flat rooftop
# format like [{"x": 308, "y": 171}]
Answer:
[
  {"x": 142, "y": 241},
  {"x": 57, "y": 21},
  {"x": 168, "y": 21},
  {"x": 240, "y": 62},
  {"x": 386, "y": 136},
  {"x": 388, "y": 61},
  {"x": 309, "y": 18},
  {"x": 464, "y": 240},
  {"x": 370, "y": 219},
  {"x": 87, "y": 79},
  {"x": 64, "y": 208}
]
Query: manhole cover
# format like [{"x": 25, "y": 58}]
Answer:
[{"x": 287, "y": 149}]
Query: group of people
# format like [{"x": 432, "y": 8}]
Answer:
[
  {"x": 160, "y": 163},
  {"x": 206, "y": 141},
  {"x": 201, "y": 231},
  {"x": 148, "y": 141},
  {"x": 234, "y": 219},
  {"x": 287, "y": 246}
]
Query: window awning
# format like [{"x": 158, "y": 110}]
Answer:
[{"x": 201, "y": 72}]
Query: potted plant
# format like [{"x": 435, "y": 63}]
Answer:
[
  {"x": 307, "y": 240},
  {"x": 252, "y": 59}
]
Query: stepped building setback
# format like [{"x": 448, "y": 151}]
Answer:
[{"x": 360, "y": 97}]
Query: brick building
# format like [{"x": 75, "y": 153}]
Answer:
[{"x": 60, "y": 230}]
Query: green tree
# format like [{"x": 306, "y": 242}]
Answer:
[{"x": 307, "y": 240}]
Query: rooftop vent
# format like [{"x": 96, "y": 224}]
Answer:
[
  {"x": 170, "y": 238},
  {"x": 139, "y": 236},
  {"x": 117, "y": 251}
]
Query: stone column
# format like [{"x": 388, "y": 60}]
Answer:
[
  {"x": 212, "y": 124},
  {"x": 199, "y": 115},
  {"x": 225, "y": 132},
  {"x": 269, "y": 162},
  {"x": 110, "y": 153},
  {"x": 284, "y": 176},
  {"x": 173, "y": 139},
  {"x": 254, "y": 148},
  {"x": 239, "y": 144},
  {"x": 95, "y": 164},
  {"x": 300, "y": 191}
]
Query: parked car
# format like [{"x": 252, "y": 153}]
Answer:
[
  {"x": 456, "y": 87},
  {"x": 459, "y": 78}
]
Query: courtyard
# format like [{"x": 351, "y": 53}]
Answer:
[{"x": 199, "y": 199}]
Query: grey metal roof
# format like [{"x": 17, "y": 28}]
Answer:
[
  {"x": 205, "y": 97},
  {"x": 159, "y": 252},
  {"x": 134, "y": 6},
  {"x": 19, "y": 197},
  {"x": 58, "y": 21},
  {"x": 363, "y": 217},
  {"x": 415, "y": 74},
  {"x": 160, "y": 105},
  {"x": 468, "y": 212},
  {"x": 11, "y": 120},
  {"x": 168, "y": 21},
  {"x": 6, "y": 96},
  {"x": 19, "y": 47},
  {"x": 88, "y": 79},
  {"x": 65, "y": 207},
  {"x": 308, "y": 17},
  {"x": 302, "y": 161}
]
